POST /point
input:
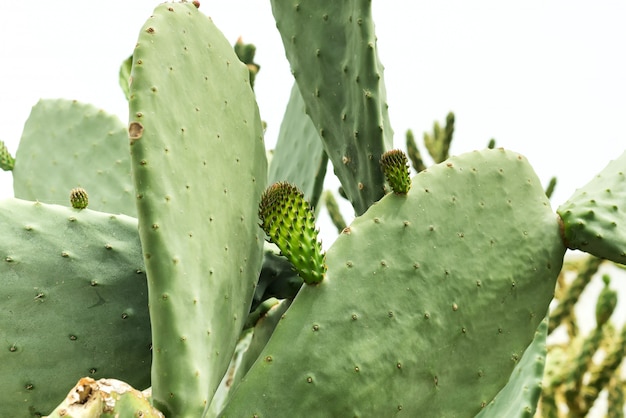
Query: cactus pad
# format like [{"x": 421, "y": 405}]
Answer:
[
  {"x": 331, "y": 46},
  {"x": 74, "y": 302},
  {"x": 199, "y": 166},
  {"x": 594, "y": 217},
  {"x": 289, "y": 222},
  {"x": 431, "y": 320},
  {"x": 67, "y": 144}
]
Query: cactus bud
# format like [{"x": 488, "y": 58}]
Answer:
[
  {"x": 289, "y": 222},
  {"x": 607, "y": 300},
  {"x": 6, "y": 159},
  {"x": 395, "y": 166},
  {"x": 78, "y": 198}
]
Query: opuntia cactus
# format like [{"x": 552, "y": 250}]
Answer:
[{"x": 432, "y": 301}]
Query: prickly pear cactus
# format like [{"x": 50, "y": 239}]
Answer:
[
  {"x": 67, "y": 144},
  {"x": 74, "y": 303},
  {"x": 199, "y": 168},
  {"x": 407, "y": 313}
]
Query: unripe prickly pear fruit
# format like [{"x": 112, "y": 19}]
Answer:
[
  {"x": 396, "y": 168},
  {"x": 6, "y": 159},
  {"x": 289, "y": 222},
  {"x": 607, "y": 300},
  {"x": 79, "y": 198}
]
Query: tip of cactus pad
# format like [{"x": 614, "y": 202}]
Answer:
[{"x": 289, "y": 222}]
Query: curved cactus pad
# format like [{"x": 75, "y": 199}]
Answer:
[
  {"x": 594, "y": 218},
  {"x": 331, "y": 46},
  {"x": 429, "y": 302},
  {"x": 67, "y": 144},
  {"x": 74, "y": 303},
  {"x": 199, "y": 166},
  {"x": 520, "y": 396}
]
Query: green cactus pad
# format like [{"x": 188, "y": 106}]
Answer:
[
  {"x": 520, "y": 396},
  {"x": 74, "y": 302},
  {"x": 199, "y": 167},
  {"x": 289, "y": 222},
  {"x": 432, "y": 319},
  {"x": 331, "y": 46},
  {"x": 594, "y": 218},
  {"x": 299, "y": 157},
  {"x": 395, "y": 165},
  {"x": 67, "y": 144},
  {"x": 79, "y": 198}
]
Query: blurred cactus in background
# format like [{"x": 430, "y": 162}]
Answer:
[{"x": 196, "y": 277}]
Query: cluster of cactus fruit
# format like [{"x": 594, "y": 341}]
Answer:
[{"x": 433, "y": 301}]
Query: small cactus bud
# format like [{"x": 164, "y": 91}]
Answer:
[
  {"x": 6, "y": 159},
  {"x": 289, "y": 222},
  {"x": 395, "y": 166},
  {"x": 607, "y": 300},
  {"x": 78, "y": 198}
]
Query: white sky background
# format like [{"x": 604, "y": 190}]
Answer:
[{"x": 546, "y": 79}]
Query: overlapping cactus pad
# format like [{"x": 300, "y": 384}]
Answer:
[
  {"x": 74, "y": 303},
  {"x": 425, "y": 294},
  {"x": 67, "y": 144},
  {"x": 594, "y": 217},
  {"x": 199, "y": 167}
]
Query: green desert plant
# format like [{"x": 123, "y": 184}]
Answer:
[{"x": 432, "y": 302}]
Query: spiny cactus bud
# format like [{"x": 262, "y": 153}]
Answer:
[
  {"x": 78, "y": 198},
  {"x": 607, "y": 300},
  {"x": 395, "y": 166},
  {"x": 289, "y": 222},
  {"x": 6, "y": 159}
]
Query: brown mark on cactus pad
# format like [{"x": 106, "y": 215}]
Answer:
[{"x": 135, "y": 131}]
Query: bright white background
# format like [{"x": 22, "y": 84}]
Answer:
[{"x": 547, "y": 79}]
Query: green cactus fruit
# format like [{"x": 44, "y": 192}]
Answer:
[
  {"x": 607, "y": 301},
  {"x": 395, "y": 165},
  {"x": 66, "y": 143},
  {"x": 394, "y": 327},
  {"x": 105, "y": 398},
  {"x": 299, "y": 157},
  {"x": 520, "y": 396},
  {"x": 74, "y": 303},
  {"x": 289, "y": 222},
  {"x": 594, "y": 217},
  {"x": 199, "y": 167},
  {"x": 7, "y": 162},
  {"x": 79, "y": 198},
  {"x": 331, "y": 46}
]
